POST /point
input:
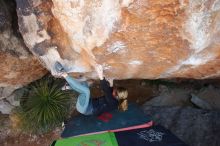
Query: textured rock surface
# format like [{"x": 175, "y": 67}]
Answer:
[
  {"x": 130, "y": 38},
  {"x": 18, "y": 65},
  {"x": 5, "y": 107},
  {"x": 195, "y": 127},
  {"x": 176, "y": 97},
  {"x": 210, "y": 95},
  {"x": 14, "y": 99}
]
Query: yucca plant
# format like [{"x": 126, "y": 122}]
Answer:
[{"x": 46, "y": 106}]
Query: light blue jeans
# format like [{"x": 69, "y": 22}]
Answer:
[{"x": 84, "y": 103}]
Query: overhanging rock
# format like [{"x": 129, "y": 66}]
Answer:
[{"x": 129, "y": 38}]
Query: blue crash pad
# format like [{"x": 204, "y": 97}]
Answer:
[{"x": 82, "y": 124}]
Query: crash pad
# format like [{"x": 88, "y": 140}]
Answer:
[
  {"x": 150, "y": 136},
  {"x": 82, "y": 124},
  {"x": 104, "y": 139}
]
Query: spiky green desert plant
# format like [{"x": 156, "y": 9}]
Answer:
[{"x": 46, "y": 107}]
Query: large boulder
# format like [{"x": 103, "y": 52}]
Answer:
[
  {"x": 18, "y": 66},
  {"x": 129, "y": 38}
]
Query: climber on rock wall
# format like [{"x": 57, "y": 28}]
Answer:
[{"x": 113, "y": 97}]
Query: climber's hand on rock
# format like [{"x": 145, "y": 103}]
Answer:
[
  {"x": 56, "y": 75},
  {"x": 110, "y": 80},
  {"x": 99, "y": 71}
]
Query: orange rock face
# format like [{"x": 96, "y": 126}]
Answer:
[
  {"x": 16, "y": 72},
  {"x": 18, "y": 66},
  {"x": 129, "y": 38}
]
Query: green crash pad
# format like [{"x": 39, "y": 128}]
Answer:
[{"x": 104, "y": 139}]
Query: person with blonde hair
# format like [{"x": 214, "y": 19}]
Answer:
[
  {"x": 113, "y": 98},
  {"x": 122, "y": 95}
]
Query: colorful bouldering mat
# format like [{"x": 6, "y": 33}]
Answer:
[{"x": 151, "y": 136}]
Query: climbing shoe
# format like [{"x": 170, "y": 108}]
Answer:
[{"x": 59, "y": 67}]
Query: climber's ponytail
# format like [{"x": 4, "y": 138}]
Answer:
[
  {"x": 123, "y": 105},
  {"x": 122, "y": 94}
]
